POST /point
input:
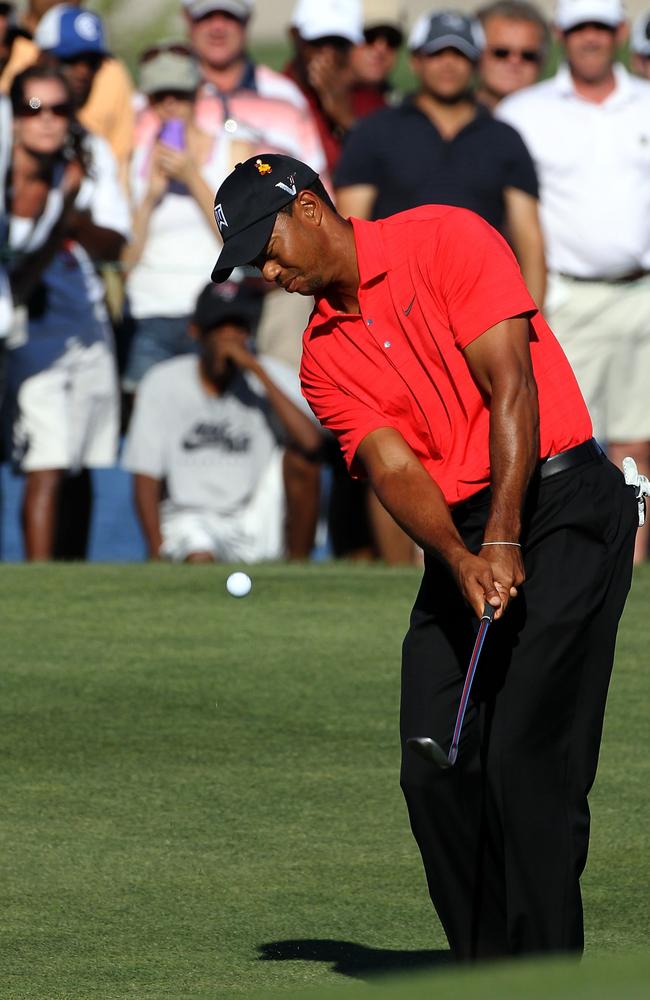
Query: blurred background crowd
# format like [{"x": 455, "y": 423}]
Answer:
[{"x": 147, "y": 413}]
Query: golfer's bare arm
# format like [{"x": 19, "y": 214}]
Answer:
[
  {"x": 500, "y": 363},
  {"x": 501, "y": 366},
  {"x": 147, "y": 492},
  {"x": 416, "y": 502}
]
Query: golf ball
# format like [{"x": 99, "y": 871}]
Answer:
[{"x": 239, "y": 584}]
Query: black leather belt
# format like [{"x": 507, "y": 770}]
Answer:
[
  {"x": 621, "y": 279},
  {"x": 570, "y": 459}
]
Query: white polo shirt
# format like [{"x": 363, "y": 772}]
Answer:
[{"x": 593, "y": 165}]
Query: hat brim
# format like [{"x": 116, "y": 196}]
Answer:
[
  {"x": 567, "y": 23},
  {"x": 450, "y": 42},
  {"x": 243, "y": 248}
]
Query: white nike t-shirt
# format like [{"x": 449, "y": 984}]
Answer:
[{"x": 211, "y": 450}]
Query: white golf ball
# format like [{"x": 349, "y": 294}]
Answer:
[{"x": 239, "y": 584}]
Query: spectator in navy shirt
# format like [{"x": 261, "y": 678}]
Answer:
[{"x": 441, "y": 147}]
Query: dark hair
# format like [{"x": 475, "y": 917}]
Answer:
[
  {"x": 517, "y": 10},
  {"x": 316, "y": 187},
  {"x": 75, "y": 147}
]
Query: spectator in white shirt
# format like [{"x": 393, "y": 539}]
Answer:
[
  {"x": 221, "y": 432},
  {"x": 588, "y": 130}
]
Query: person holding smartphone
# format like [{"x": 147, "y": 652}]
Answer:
[{"x": 175, "y": 169}]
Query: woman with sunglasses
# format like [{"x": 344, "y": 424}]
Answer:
[
  {"x": 65, "y": 212},
  {"x": 176, "y": 169}
]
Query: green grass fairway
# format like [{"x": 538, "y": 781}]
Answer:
[{"x": 200, "y": 799}]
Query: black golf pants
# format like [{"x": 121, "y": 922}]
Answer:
[{"x": 504, "y": 833}]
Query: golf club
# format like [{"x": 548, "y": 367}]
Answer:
[{"x": 427, "y": 747}]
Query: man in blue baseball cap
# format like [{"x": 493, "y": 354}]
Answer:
[{"x": 73, "y": 37}]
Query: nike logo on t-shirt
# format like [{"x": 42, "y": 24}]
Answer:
[{"x": 409, "y": 306}]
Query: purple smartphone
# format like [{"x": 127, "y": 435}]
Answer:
[{"x": 173, "y": 134}]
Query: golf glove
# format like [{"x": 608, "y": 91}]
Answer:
[{"x": 640, "y": 483}]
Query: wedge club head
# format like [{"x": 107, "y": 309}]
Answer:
[{"x": 427, "y": 747}]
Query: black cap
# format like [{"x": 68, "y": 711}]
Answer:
[
  {"x": 247, "y": 203},
  {"x": 447, "y": 30},
  {"x": 229, "y": 302}
]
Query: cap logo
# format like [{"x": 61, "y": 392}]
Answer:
[
  {"x": 263, "y": 168},
  {"x": 290, "y": 188},
  {"x": 86, "y": 27},
  {"x": 220, "y": 217}
]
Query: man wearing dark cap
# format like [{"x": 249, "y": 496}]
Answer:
[
  {"x": 428, "y": 358},
  {"x": 213, "y": 430},
  {"x": 441, "y": 147}
]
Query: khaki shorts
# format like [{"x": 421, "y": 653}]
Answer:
[
  {"x": 604, "y": 329},
  {"x": 254, "y": 534},
  {"x": 67, "y": 416}
]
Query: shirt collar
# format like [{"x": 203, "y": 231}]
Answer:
[
  {"x": 621, "y": 93},
  {"x": 247, "y": 81},
  {"x": 371, "y": 255}
]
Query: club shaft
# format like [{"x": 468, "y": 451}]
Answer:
[{"x": 486, "y": 620}]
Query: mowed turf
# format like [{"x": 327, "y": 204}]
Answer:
[{"x": 200, "y": 794}]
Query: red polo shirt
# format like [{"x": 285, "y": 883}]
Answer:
[{"x": 431, "y": 280}]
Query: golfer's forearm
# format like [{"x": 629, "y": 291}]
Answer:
[
  {"x": 409, "y": 494},
  {"x": 146, "y": 493},
  {"x": 514, "y": 453}
]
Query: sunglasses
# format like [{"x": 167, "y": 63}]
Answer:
[
  {"x": 392, "y": 36},
  {"x": 176, "y": 48},
  {"x": 34, "y": 108},
  {"x": 527, "y": 55},
  {"x": 178, "y": 95}
]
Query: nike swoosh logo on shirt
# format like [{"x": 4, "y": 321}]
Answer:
[{"x": 409, "y": 306}]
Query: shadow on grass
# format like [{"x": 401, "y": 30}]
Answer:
[{"x": 350, "y": 959}]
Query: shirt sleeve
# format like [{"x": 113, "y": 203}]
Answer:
[
  {"x": 477, "y": 275},
  {"x": 347, "y": 418},
  {"x": 520, "y": 170},
  {"x": 360, "y": 161},
  {"x": 144, "y": 450}
]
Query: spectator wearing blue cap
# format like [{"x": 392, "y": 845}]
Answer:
[{"x": 73, "y": 37}]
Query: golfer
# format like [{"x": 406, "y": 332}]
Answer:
[{"x": 427, "y": 357}]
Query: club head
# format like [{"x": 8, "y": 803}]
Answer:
[{"x": 427, "y": 748}]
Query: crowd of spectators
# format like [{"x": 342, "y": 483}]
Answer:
[{"x": 114, "y": 351}]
